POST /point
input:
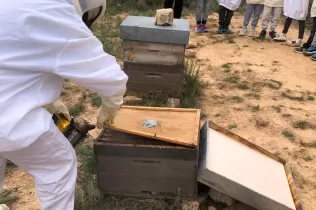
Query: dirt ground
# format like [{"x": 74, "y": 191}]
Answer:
[{"x": 261, "y": 90}]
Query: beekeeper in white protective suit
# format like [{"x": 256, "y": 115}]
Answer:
[{"x": 42, "y": 42}]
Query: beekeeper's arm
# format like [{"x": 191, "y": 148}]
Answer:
[{"x": 78, "y": 56}]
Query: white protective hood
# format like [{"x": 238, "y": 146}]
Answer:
[
  {"x": 230, "y": 4},
  {"x": 83, "y": 6},
  {"x": 296, "y": 9},
  {"x": 313, "y": 9},
  {"x": 90, "y": 10}
]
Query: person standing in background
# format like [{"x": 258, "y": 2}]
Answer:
[
  {"x": 202, "y": 10},
  {"x": 177, "y": 9},
  {"x": 252, "y": 7},
  {"x": 272, "y": 12},
  {"x": 226, "y": 12},
  {"x": 308, "y": 44},
  {"x": 298, "y": 10}
]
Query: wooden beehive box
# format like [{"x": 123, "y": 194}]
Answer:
[
  {"x": 154, "y": 55},
  {"x": 144, "y": 161},
  {"x": 137, "y": 166},
  {"x": 245, "y": 171}
]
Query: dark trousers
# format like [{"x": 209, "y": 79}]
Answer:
[
  {"x": 225, "y": 16},
  {"x": 301, "y": 27},
  {"x": 177, "y": 9},
  {"x": 311, "y": 36}
]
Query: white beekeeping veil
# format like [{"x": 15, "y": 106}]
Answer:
[{"x": 90, "y": 10}]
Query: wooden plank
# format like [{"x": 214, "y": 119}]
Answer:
[
  {"x": 154, "y": 68},
  {"x": 153, "y": 167},
  {"x": 152, "y": 57},
  {"x": 236, "y": 189},
  {"x": 146, "y": 151},
  {"x": 155, "y": 78},
  {"x": 295, "y": 194},
  {"x": 151, "y": 46},
  {"x": 153, "y": 53},
  {"x": 175, "y": 126},
  {"x": 127, "y": 185}
]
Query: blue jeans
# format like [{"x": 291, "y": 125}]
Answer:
[
  {"x": 254, "y": 9},
  {"x": 202, "y": 10}
]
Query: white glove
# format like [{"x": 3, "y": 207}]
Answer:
[
  {"x": 4, "y": 207},
  {"x": 110, "y": 105},
  {"x": 58, "y": 107}
]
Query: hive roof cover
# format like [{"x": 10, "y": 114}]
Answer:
[
  {"x": 139, "y": 28},
  {"x": 244, "y": 171},
  {"x": 178, "y": 126}
]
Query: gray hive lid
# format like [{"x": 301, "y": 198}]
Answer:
[
  {"x": 245, "y": 171},
  {"x": 138, "y": 28}
]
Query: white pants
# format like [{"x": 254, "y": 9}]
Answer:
[
  {"x": 52, "y": 161},
  {"x": 273, "y": 14}
]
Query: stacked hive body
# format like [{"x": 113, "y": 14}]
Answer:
[
  {"x": 133, "y": 163},
  {"x": 137, "y": 166},
  {"x": 154, "y": 55}
]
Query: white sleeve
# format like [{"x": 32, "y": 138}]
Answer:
[{"x": 85, "y": 62}]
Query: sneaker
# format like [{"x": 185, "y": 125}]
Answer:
[
  {"x": 220, "y": 30},
  {"x": 306, "y": 45},
  {"x": 4, "y": 207},
  {"x": 295, "y": 43},
  {"x": 299, "y": 50},
  {"x": 226, "y": 30},
  {"x": 313, "y": 57},
  {"x": 280, "y": 38},
  {"x": 198, "y": 28},
  {"x": 262, "y": 34},
  {"x": 242, "y": 32},
  {"x": 272, "y": 34},
  {"x": 252, "y": 33},
  {"x": 204, "y": 28},
  {"x": 310, "y": 51}
]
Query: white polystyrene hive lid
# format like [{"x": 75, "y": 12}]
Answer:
[{"x": 247, "y": 167}]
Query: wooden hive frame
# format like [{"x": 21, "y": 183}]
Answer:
[
  {"x": 295, "y": 194},
  {"x": 161, "y": 136}
]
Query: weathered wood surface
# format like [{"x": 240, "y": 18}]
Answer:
[
  {"x": 137, "y": 166},
  {"x": 153, "y": 53},
  {"x": 150, "y": 78},
  {"x": 178, "y": 126}
]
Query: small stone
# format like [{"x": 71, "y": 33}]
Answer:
[
  {"x": 220, "y": 197},
  {"x": 190, "y": 53},
  {"x": 212, "y": 208},
  {"x": 190, "y": 205},
  {"x": 191, "y": 45},
  {"x": 164, "y": 17},
  {"x": 173, "y": 103}
]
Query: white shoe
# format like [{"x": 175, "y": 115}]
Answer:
[
  {"x": 242, "y": 32},
  {"x": 252, "y": 33},
  {"x": 4, "y": 207},
  {"x": 295, "y": 43},
  {"x": 280, "y": 38}
]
